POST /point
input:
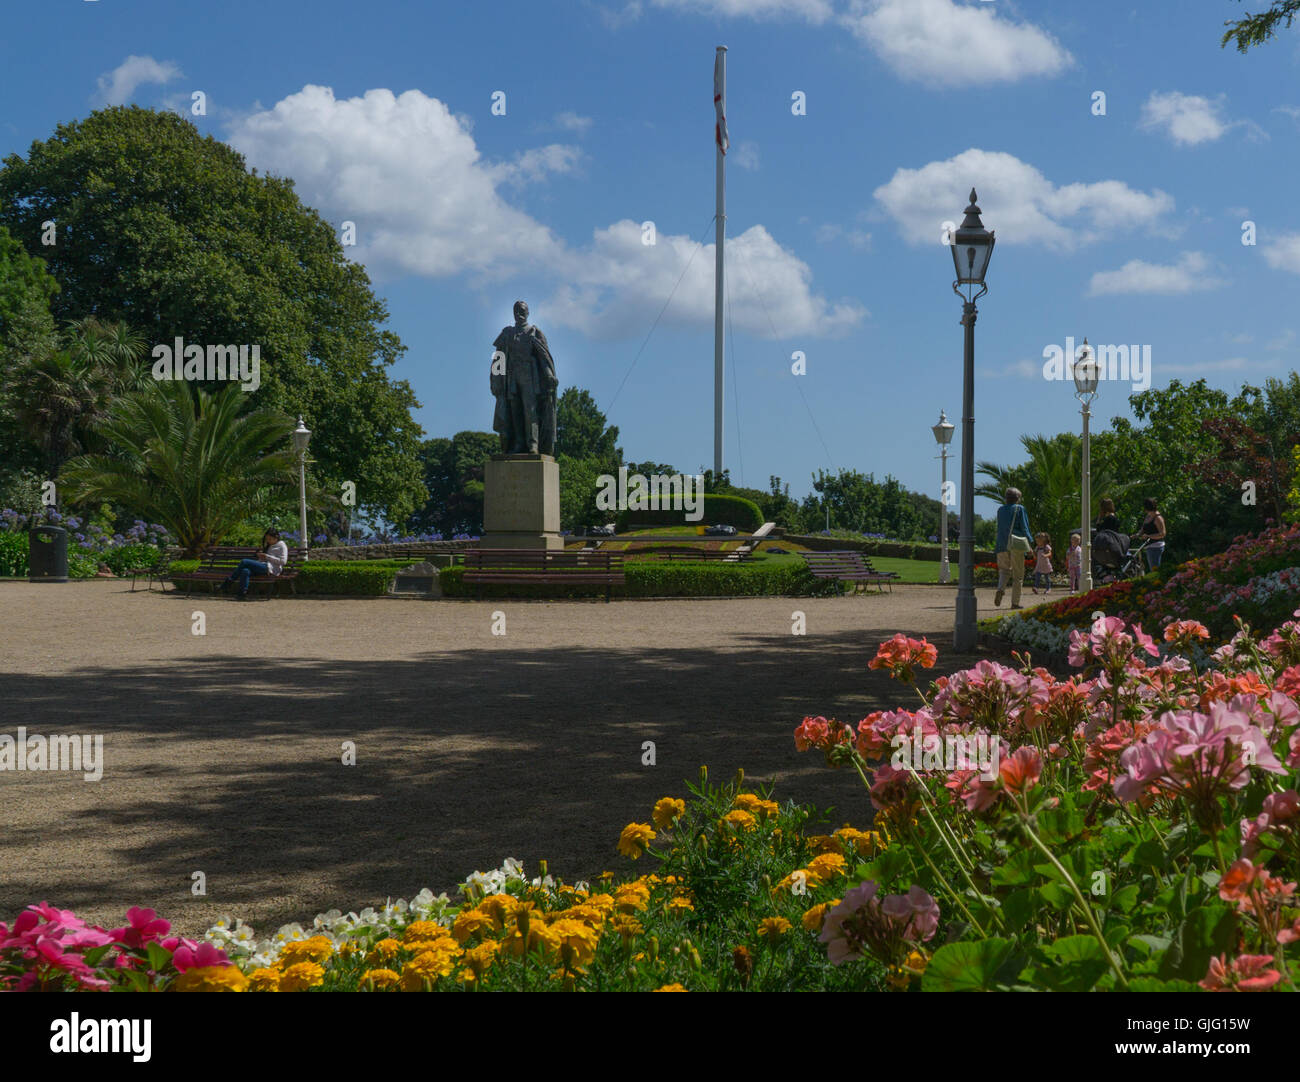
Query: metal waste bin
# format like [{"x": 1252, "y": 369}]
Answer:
[{"x": 47, "y": 559}]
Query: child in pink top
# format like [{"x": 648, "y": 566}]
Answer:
[
  {"x": 1074, "y": 561},
  {"x": 1043, "y": 564}
]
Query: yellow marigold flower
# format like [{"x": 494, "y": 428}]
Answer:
[
  {"x": 602, "y": 902},
  {"x": 425, "y": 968},
  {"x": 680, "y": 904},
  {"x": 773, "y": 928},
  {"x": 588, "y": 914},
  {"x": 575, "y": 942},
  {"x": 348, "y": 949},
  {"x": 672, "y": 988},
  {"x": 211, "y": 979},
  {"x": 379, "y": 978},
  {"x": 539, "y": 937},
  {"x": 626, "y": 926},
  {"x": 666, "y": 810},
  {"x": 634, "y": 839},
  {"x": 740, "y": 819},
  {"x": 768, "y": 808},
  {"x": 916, "y": 963},
  {"x": 827, "y": 866},
  {"x": 419, "y": 931},
  {"x": 315, "y": 949},
  {"x": 825, "y": 843},
  {"x": 499, "y": 907},
  {"x": 383, "y": 950},
  {"x": 264, "y": 979},
  {"x": 816, "y": 916},
  {"x": 471, "y": 922},
  {"x": 302, "y": 975},
  {"x": 747, "y": 802},
  {"x": 866, "y": 843},
  {"x": 631, "y": 897},
  {"x": 477, "y": 959}
]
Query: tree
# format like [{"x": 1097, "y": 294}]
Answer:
[
  {"x": 1050, "y": 484},
  {"x": 24, "y": 284},
  {"x": 581, "y": 430},
  {"x": 166, "y": 229},
  {"x": 197, "y": 463},
  {"x": 453, "y": 474},
  {"x": 1257, "y": 29},
  {"x": 59, "y": 394}
]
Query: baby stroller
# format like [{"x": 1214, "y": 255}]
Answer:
[{"x": 1113, "y": 559}]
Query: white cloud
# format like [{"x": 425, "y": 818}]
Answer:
[
  {"x": 1019, "y": 203},
  {"x": 426, "y": 202},
  {"x": 407, "y": 172},
  {"x": 833, "y": 231},
  {"x": 1184, "y": 118},
  {"x": 1283, "y": 340},
  {"x": 1229, "y": 364},
  {"x": 947, "y": 44},
  {"x": 571, "y": 121},
  {"x": 117, "y": 86},
  {"x": 745, "y": 155},
  {"x": 769, "y": 287},
  {"x": 1283, "y": 253},
  {"x": 1015, "y": 370},
  {"x": 1189, "y": 275},
  {"x": 814, "y": 11},
  {"x": 616, "y": 19}
]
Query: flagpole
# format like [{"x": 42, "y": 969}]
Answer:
[{"x": 720, "y": 87}]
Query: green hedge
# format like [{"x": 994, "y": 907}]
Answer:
[
  {"x": 719, "y": 510},
  {"x": 359, "y": 578},
  {"x": 668, "y": 580},
  {"x": 901, "y": 550}
]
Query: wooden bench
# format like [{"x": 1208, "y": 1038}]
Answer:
[
  {"x": 486, "y": 567},
  {"x": 848, "y": 566},
  {"x": 702, "y": 554},
  {"x": 218, "y": 561}
]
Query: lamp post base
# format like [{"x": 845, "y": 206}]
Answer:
[{"x": 966, "y": 634}]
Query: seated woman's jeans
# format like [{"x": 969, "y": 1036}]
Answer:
[{"x": 246, "y": 570}]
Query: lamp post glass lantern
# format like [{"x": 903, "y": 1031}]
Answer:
[
  {"x": 302, "y": 437},
  {"x": 943, "y": 436},
  {"x": 1086, "y": 379},
  {"x": 972, "y": 249}
]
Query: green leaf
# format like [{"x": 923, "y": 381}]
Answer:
[
  {"x": 1056, "y": 825},
  {"x": 1075, "y": 948},
  {"x": 95, "y": 955},
  {"x": 1057, "y": 895},
  {"x": 1207, "y": 931},
  {"x": 159, "y": 957},
  {"x": 966, "y": 967},
  {"x": 1017, "y": 871},
  {"x": 1154, "y": 984},
  {"x": 1125, "y": 898},
  {"x": 1019, "y": 907}
]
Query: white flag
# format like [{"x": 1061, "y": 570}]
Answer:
[{"x": 719, "y": 106}]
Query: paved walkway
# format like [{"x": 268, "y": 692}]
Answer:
[{"x": 222, "y": 751}]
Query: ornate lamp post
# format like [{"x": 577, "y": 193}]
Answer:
[
  {"x": 972, "y": 248},
  {"x": 1085, "y": 388},
  {"x": 301, "y": 437},
  {"x": 943, "y": 436}
]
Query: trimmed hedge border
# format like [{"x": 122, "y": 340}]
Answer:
[
  {"x": 899, "y": 550},
  {"x": 348, "y": 578},
  {"x": 719, "y": 509},
  {"x": 665, "y": 580}
]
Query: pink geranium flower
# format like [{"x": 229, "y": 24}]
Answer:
[{"x": 1246, "y": 973}]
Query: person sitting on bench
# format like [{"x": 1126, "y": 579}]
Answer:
[{"x": 271, "y": 562}]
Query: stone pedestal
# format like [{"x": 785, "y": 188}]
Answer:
[{"x": 521, "y": 503}]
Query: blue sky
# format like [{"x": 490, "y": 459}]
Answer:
[{"x": 1125, "y": 227}]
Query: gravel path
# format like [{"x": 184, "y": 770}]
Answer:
[{"x": 223, "y": 752}]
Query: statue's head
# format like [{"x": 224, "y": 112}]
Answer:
[{"x": 521, "y": 312}]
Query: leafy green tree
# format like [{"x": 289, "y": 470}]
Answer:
[
  {"x": 24, "y": 282},
  {"x": 582, "y": 431},
  {"x": 166, "y": 228},
  {"x": 198, "y": 463},
  {"x": 1257, "y": 29},
  {"x": 453, "y": 474}
]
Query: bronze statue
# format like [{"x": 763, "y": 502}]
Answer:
[{"x": 523, "y": 382}]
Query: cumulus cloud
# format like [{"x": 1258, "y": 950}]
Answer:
[
  {"x": 943, "y": 43},
  {"x": 117, "y": 86},
  {"x": 426, "y": 202},
  {"x": 745, "y": 155},
  {"x": 1283, "y": 252},
  {"x": 1185, "y": 118},
  {"x": 1020, "y": 204},
  {"x": 614, "y": 282},
  {"x": 571, "y": 121},
  {"x": 1189, "y": 275}
]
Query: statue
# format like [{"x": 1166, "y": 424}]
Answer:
[{"x": 523, "y": 383}]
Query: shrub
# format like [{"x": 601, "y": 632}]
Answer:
[
  {"x": 363, "y": 578},
  {"x": 655, "y": 579},
  {"x": 124, "y": 557},
  {"x": 13, "y": 554}
]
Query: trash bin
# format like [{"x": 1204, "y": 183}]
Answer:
[{"x": 47, "y": 559}]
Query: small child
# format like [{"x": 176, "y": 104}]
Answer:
[
  {"x": 1043, "y": 564},
  {"x": 1074, "y": 561}
]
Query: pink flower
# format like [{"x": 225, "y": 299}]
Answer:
[
  {"x": 1021, "y": 770},
  {"x": 887, "y": 929},
  {"x": 205, "y": 954},
  {"x": 143, "y": 927},
  {"x": 1246, "y": 973},
  {"x": 811, "y": 733}
]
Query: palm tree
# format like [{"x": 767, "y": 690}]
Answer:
[
  {"x": 63, "y": 389},
  {"x": 190, "y": 460},
  {"x": 1051, "y": 485}
]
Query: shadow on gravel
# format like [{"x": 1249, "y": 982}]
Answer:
[{"x": 463, "y": 758}]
